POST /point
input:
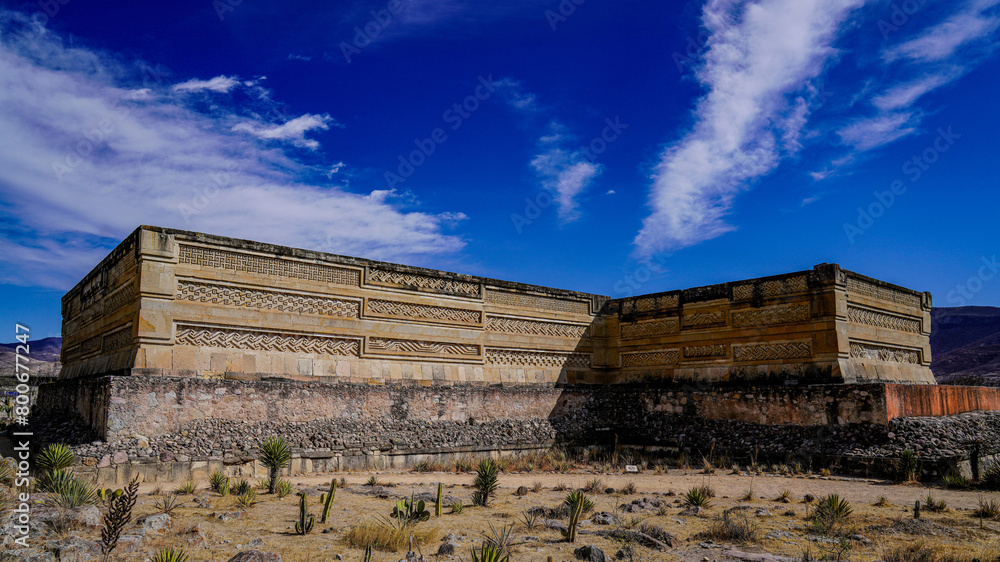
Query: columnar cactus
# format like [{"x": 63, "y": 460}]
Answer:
[
  {"x": 327, "y": 500},
  {"x": 306, "y": 521}
]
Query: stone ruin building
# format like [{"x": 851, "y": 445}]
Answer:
[{"x": 181, "y": 350}]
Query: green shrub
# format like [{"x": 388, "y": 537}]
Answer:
[
  {"x": 242, "y": 487},
  {"x": 830, "y": 513},
  {"x": 275, "y": 454},
  {"x": 956, "y": 482},
  {"x": 736, "y": 526},
  {"x": 215, "y": 481},
  {"x": 486, "y": 483},
  {"x": 74, "y": 493},
  {"x": 283, "y": 488},
  {"x": 697, "y": 497},
  {"x": 55, "y": 457},
  {"x": 170, "y": 555},
  {"x": 457, "y": 507},
  {"x": 906, "y": 467}
]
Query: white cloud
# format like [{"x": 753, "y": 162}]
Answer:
[
  {"x": 941, "y": 41},
  {"x": 903, "y": 95},
  {"x": 293, "y": 130},
  {"x": 220, "y": 84},
  {"x": 83, "y": 161},
  {"x": 759, "y": 61},
  {"x": 866, "y": 134},
  {"x": 566, "y": 174}
]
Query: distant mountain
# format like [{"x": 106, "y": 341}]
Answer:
[
  {"x": 965, "y": 345},
  {"x": 43, "y": 359},
  {"x": 45, "y": 349}
]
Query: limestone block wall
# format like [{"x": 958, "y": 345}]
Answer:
[
  {"x": 828, "y": 325},
  {"x": 182, "y": 304},
  {"x": 210, "y": 307}
]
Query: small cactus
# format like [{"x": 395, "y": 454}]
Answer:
[
  {"x": 916, "y": 509},
  {"x": 327, "y": 500},
  {"x": 574, "y": 519},
  {"x": 438, "y": 504},
  {"x": 368, "y": 553},
  {"x": 306, "y": 521}
]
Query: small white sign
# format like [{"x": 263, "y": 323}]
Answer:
[{"x": 631, "y": 468}]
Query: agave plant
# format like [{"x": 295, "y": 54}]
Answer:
[
  {"x": 54, "y": 480},
  {"x": 275, "y": 453},
  {"x": 216, "y": 480},
  {"x": 75, "y": 493},
  {"x": 170, "y": 555},
  {"x": 697, "y": 497},
  {"x": 247, "y": 498},
  {"x": 283, "y": 488},
  {"x": 578, "y": 498},
  {"x": 489, "y": 552},
  {"x": 486, "y": 482},
  {"x": 55, "y": 457}
]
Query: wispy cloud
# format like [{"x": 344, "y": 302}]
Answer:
[
  {"x": 293, "y": 130},
  {"x": 943, "y": 40},
  {"x": 933, "y": 58},
  {"x": 565, "y": 173},
  {"x": 560, "y": 164},
  {"x": 88, "y": 152},
  {"x": 219, "y": 84},
  {"x": 757, "y": 70}
]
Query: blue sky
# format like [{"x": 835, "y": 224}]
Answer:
[{"x": 612, "y": 147}]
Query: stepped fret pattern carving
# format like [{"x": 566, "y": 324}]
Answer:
[
  {"x": 424, "y": 311},
  {"x": 650, "y": 358},
  {"x": 771, "y": 315},
  {"x": 119, "y": 299},
  {"x": 862, "y": 350},
  {"x": 772, "y": 288},
  {"x": 262, "y": 265},
  {"x": 882, "y": 320},
  {"x": 265, "y": 341},
  {"x": 264, "y": 299},
  {"x": 86, "y": 347},
  {"x": 496, "y": 356},
  {"x": 387, "y": 345},
  {"x": 507, "y": 298},
  {"x": 704, "y": 319},
  {"x": 651, "y": 328},
  {"x": 771, "y": 351},
  {"x": 399, "y": 279},
  {"x": 536, "y": 327},
  {"x": 119, "y": 339},
  {"x": 696, "y": 351},
  {"x": 860, "y": 287}
]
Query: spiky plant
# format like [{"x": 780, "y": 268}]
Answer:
[
  {"x": 327, "y": 500},
  {"x": 275, "y": 454},
  {"x": 170, "y": 555},
  {"x": 486, "y": 483},
  {"x": 574, "y": 518},
  {"x": 457, "y": 507},
  {"x": 55, "y": 480},
  {"x": 578, "y": 498},
  {"x": 118, "y": 516},
  {"x": 224, "y": 488},
  {"x": 247, "y": 498},
  {"x": 168, "y": 503},
  {"x": 697, "y": 497},
  {"x": 216, "y": 480},
  {"x": 55, "y": 457},
  {"x": 242, "y": 487},
  {"x": 75, "y": 493},
  {"x": 284, "y": 488},
  {"x": 188, "y": 487},
  {"x": 306, "y": 521},
  {"x": 906, "y": 466},
  {"x": 489, "y": 552}
]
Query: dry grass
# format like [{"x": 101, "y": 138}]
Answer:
[
  {"x": 388, "y": 534},
  {"x": 922, "y": 552}
]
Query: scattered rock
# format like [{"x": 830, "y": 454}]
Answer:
[
  {"x": 554, "y": 524},
  {"x": 120, "y": 457},
  {"x": 693, "y": 511},
  {"x": 755, "y": 557},
  {"x": 590, "y": 553},
  {"x": 605, "y": 518},
  {"x": 155, "y": 523},
  {"x": 104, "y": 462},
  {"x": 256, "y": 556}
]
